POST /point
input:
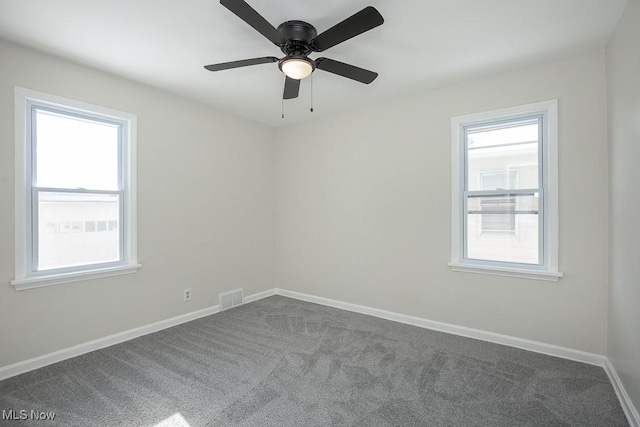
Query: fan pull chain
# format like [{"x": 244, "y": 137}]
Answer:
[
  {"x": 312, "y": 92},
  {"x": 284, "y": 82}
]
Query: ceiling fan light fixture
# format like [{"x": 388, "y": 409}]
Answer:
[{"x": 297, "y": 68}]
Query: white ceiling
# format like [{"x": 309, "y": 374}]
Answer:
[{"x": 422, "y": 44}]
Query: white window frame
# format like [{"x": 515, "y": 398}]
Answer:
[
  {"x": 548, "y": 158},
  {"x": 25, "y": 275}
]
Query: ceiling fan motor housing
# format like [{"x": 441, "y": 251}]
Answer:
[{"x": 297, "y": 36}]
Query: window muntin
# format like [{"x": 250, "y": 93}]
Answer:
[
  {"x": 75, "y": 173},
  {"x": 505, "y": 192}
]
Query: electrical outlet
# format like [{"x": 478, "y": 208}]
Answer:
[{"x": 187, "y": 294}]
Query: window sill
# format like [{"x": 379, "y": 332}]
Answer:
[
  {"x": 57, "y": 279},
  {"x": 522, "y": 273}
]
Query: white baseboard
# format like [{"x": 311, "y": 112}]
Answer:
[
  {"x": 538, "y": 347},
  {"x": 77, "y": 350},
  {"x": 259, "y": 295},
  {"x": 535, "y": 346},
  {"x": 625, "y": 401}
]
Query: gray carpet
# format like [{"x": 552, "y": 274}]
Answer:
[{"x": 283, "y": 362}]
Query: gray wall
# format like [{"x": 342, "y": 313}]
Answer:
[
  {"x": 363, "y": 209},
  {"x": 623, "y": 89},
  {"x": 205, "y": 212}
]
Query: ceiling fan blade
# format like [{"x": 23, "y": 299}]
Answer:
[
  {"x": 356, "y": 24},
  {"x": 345, "y": 70},
  {"x": 291, "y": 88},
  {"x": 253, "y": 18},
  {"x": 241, "y": 63}
]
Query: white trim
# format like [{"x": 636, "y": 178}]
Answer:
[
  {"x": 628, "y": 407},
  {"x": 76, "y": 276},
  {"x": 538, "y": 347},
  {"x": 60, "y": 101},
  {"x": 20, "y": 191},
  {"x": 626, "y": 403},
  {"x": 77, "y": 350},
  {"x": 521, "y": 273},
  {"x": 549, "y": 246},
  {"x": 259, "y": 295},
  {"x": 131, "y": 195},
  {"x": 535, "y": 346},
  {"x": 80, "y": 349},
  {"x": 551, "y": 194},
  {"x": 456, "y": 183}
]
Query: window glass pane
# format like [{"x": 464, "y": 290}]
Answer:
[
  {"x": 500, "y": 214},
  {"x": 71, "y": 244},
  {"x": 503, "y": 228},
  {"x": 503, "y": 157},
  {"x": 75, "y": 153}
]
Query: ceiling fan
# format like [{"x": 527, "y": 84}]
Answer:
[{"x": 298, "y": 39}]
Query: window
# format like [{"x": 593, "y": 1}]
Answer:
[
  {"x": 505, "y": 192},
  {"x": 75, "y": 177}
]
